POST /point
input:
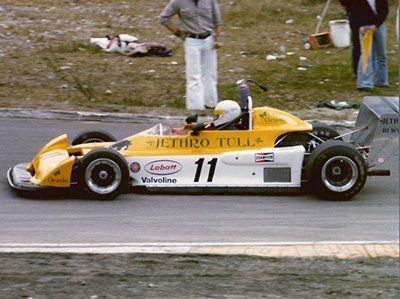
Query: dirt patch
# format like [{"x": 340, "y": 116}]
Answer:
[
  {"x": 194, "y": 276},
  {"x": 48, "y": 62}
]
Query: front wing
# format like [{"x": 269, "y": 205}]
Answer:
[{"x": 19, "y": 179}]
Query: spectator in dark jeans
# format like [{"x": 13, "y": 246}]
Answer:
[
  {"x": 365, "y": 15},
  {"x": 355, "y": 51}
]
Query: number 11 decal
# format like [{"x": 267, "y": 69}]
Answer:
[{"x": 199, "y": 163}]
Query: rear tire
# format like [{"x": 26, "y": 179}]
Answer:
[
  {"x": 336, "y": 170},
  {"x": 324, "y": 131},
  {"x": 93, "y": 136},
  {"x": 103, "y": 174}
]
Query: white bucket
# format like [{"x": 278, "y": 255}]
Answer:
[{"x": 340, "y": 33}]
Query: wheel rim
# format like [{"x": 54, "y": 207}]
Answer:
[
  {"x": 103, "y": 176},
  {"x": 93, "y": 140},
  {"x": 339, "y": 173}
]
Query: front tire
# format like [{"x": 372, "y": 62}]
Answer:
[
  {"x": 103, "y": 174},
  {"x": 336, "y": 170},
  {"x": 93, "y": 136}
]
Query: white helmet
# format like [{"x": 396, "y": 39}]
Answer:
[{"x": 225, "y": 111}]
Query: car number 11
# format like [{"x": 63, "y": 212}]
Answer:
[{"x": 199, "y": 163}]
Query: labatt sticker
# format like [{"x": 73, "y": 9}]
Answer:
[{"x": 163, "y": 167}]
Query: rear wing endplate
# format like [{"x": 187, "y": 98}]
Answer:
[{"x": 377, "y": 128}]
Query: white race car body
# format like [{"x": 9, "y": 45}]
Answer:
[{"x": 267, "y": 167}]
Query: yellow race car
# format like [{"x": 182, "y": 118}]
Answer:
[{"x": 244, "y": 149}]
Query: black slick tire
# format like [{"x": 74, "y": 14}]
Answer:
[
  {"x": 90, "y": 136},
  {"x": 103, "y": 174},
  {"x": 336, "y": 170},
  {"x": 324, "y": 131}
]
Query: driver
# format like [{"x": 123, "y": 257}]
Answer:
[{"x": 225, "y": 112}]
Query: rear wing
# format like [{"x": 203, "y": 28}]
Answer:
[{"x": 377, "y": 130}]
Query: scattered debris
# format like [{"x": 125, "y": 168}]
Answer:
[
  {"x": 237, "y": 70},
  {"x": 146, "y": 49},
  {"x": 128, "y": 45},
  {"x": 115, "y": 43},
  {"x": 64, "y": 68},
  {"x": 337, "y": 105},
  {"x": 275, "y": 57}
]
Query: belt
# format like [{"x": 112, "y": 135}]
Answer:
[{"x": 198, "y": 36}]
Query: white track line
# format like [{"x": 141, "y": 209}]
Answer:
[{"x": 343, "y": 249}]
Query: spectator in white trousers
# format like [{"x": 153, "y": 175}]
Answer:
[{"x": 198, "y": 19}]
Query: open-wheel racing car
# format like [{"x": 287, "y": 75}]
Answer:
[{"x": 269, "y": 150}]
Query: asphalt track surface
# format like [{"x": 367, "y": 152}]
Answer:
[{"x": 274, "y": 225}]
